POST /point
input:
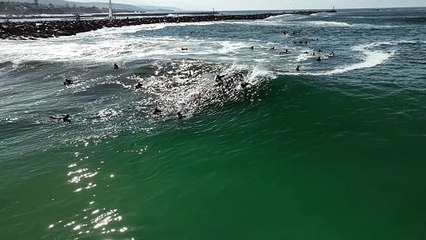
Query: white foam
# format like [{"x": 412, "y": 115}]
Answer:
[
  {"x": 277, "y": 17},
  {"x": 87, "y": 48},
  {"x": 340, "y": 24},
  {"x": 328, "y": 24},
  {"x": 370, "y": 58},
  {"x": 106, "y": 114},
  {"x": 280, "y": 20},
  {"x": 176, "y": 91},
  {"x": 138, "y": 28},
  {"x": 258, "y": 74},
  {"x": 229, "y": 47},
  {"x": 303, "y": 56},
  {"x": 108, "y": 44},
  {"x": 122, "y": 30},
  {"x": 256, "y": 23}
]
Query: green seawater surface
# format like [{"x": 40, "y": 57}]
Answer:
[{"x": 297, "y": 156}]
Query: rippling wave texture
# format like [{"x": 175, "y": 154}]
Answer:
[{"x": 333, "y": 151}]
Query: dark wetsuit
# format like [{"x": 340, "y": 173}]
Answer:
[
  {"x": 68, "y": 82},
  {"x": 156, "y": 111},
  {"x": 138, "y": 85},
  {"x": 65, "y": 118},
  {"x": 219, "y": 79}
]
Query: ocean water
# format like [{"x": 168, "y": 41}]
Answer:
[{"x": 334, "y": 151}]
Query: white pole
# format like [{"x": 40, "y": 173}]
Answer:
[{"x": 110, "y": 11}]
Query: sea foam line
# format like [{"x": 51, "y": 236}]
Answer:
[{"x": 370, "y": 59}]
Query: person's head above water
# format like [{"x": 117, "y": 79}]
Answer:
[
  {"x": 180, "y": 115},
  {"x": 68, "y": 82},
  {"x": 219, "y": 77},
  {"x": 66, "y": 118},
  {"x": 156, "y": 111},
  {"x": 138, "y": 85}
]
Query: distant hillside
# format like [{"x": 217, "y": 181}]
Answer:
[
  {"x": 25, "y": 8},
  {"x": 122, "y": 6}
]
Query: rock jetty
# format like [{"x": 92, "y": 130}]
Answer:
[{"x": 34, "y": 30}]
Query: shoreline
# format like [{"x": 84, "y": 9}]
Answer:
[{"x": 46, "y": 29}]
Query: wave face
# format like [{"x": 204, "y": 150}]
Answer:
[{"x": 205, "y": 126}]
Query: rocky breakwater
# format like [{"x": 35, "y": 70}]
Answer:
[
  {"x": 34, "y": 30},
  {"x": 46, "y": 29}
]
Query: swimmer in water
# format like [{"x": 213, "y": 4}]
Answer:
[
  {"x": 285, "y": 52},
  {"x": 138, "y": 85},
  {"x": 298, "y": 68},
  {"x": 244, "y": 84},
  {"x": 115, "y": 66},
  {"x": 272, "y": 48},
  {"x": 252, "y": 47},
  {"x": 157, "y": 111},
  {"x": 68, "y": 82},
  {"x": 184, "y": 49},
  {"x": 180, "y": 115},
  {"x": 319, "y": 59},
  {"x": 65, "y": 118},
  {"x": 219, "y": 78}
]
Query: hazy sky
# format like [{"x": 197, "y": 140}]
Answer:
[{"x": 272, "y": 4}]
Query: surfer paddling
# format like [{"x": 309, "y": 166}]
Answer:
[
  {"x": 138, "y": 86},
  {"x": 219, "y": 79},
  {"x": 157, "y": 111},
  {"x": 68, "y": 82},
  {"x": 65, "y": 118},
  {"x": 180, "y": 115}
]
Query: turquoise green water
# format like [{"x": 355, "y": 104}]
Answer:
[{"x": 297, "y": 156}]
